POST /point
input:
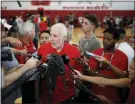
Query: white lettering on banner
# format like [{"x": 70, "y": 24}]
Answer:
[
  {"x": 8, "y": 5},
  {"x": 85, "y": 8}
]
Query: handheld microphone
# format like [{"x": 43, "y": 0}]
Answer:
[
  {"x": 92, "y": 55},
  {"x": 36, "y": 56}
]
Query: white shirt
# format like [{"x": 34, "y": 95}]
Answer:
[{"x": 127, "y": 49}]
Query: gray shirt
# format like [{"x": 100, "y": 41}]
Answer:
[{"x": 90, "y": 44}]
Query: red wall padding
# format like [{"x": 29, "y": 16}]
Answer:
[{"x": 53, "y": 13}]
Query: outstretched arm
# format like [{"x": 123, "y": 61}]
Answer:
[
  {"x": 11, "y": 77},
  {"x": 120, "y": 73},
  {"x": 122, "y": 82}
]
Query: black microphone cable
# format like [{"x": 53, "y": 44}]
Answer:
[{"x": 83, "y": 87}]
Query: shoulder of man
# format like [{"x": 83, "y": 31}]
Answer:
[
  {"x": 97, "y": 42},
  {"x": 44, "y": 47},
  {"x": 72, "y": 48},
  {"x": 120, "y": 53}
]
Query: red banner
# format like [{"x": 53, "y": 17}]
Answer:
[{"x": 40, "y": 2}]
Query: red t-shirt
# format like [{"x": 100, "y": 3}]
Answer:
[
  {"x": 119, "y": 60},
  {"x": 60, "y": 94},
  {"x": 30, "y": 48}
]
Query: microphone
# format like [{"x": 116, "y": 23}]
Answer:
[
  {"x": 92, "y": 54},
  {"x": 48, "y": 57},
  {"x": 55, "y": 68},
  {"x": 66, "y": 61},
  {"x": 56, "y": 59},
  {"x": 36, "y": 56},
  {"x": 80, "y": 85}
]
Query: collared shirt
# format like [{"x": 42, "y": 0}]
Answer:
[
  {"x": 60, "y": 94},
  {"x": 30, "y": 48}
]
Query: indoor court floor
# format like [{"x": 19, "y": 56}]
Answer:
[{"x": 78, "y": 33}]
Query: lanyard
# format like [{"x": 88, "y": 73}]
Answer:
[
  {"x": 88, "y": 42},
  {"x": 109, "y": 61}
]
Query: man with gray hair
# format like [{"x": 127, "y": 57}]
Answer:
[
  {"x": 27, "y": 34},
  {"x": 64, "y": 90}
]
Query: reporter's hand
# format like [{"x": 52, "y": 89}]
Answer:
[
  {"x": 102, "y": 60},
  {"x": 78, "y": 75},
  {"x": 32, "y": 63},
  {"x": 85, "y": 62},
  {"x": 25, "y": 53},
  {"x": 14, "y": 41}
]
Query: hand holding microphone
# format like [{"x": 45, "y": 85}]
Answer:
[
  {"x": 24, "y": 52},
  {"x": 102, "y": 60},
  {"x": 77, "y": 75},
  {"x": 92, "y": 55},
  {"x": 98, "y": 58}
]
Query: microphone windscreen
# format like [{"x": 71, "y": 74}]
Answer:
[
  {"x": 48, "y": 56},
  {"x": 39, "y": 57},
  {"x": 36, "y": 56},
  {"x": 65, "y": 59},
  {"x": 92, "y": 55}
]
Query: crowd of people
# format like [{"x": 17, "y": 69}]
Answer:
[{"x": 107, "y": 74}]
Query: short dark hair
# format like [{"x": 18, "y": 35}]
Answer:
[
  {"x": 122, "y": 33},
  {"x": 92, "y": 18},
  {"x": 45, "y": 31},
  {"x": 113, "y": 31}
]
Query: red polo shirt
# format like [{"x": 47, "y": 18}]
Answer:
[
  {"x": 60, "y": 94},
  {"x": 119, "y": 60},
  {"x": 30, "y": 48}
]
